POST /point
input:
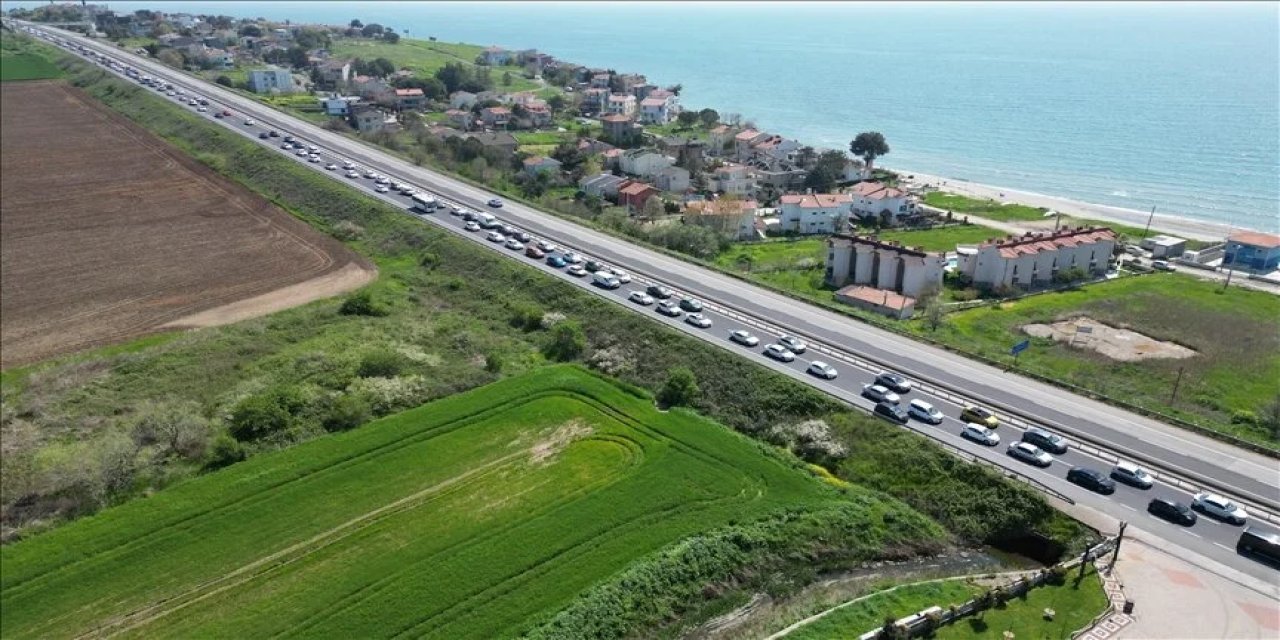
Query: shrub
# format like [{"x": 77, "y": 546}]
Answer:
[
  {"x": 224, "y": 451},
  {"x": 567, "y": 342},
  {"x": 263, "y": 415},
  {"x": 527, "y": 317},
  {"x": 429, "y": 260},
  {"x": 381, "y": 363},
  {"x": 347, "y": 230},
  {"x": 493, "y": 362},
  {"x": 680, "y": 389},
  {"x": 347, "y": 411},
  {"x": 1244, "y": 416},
  {"x": 361, "y": 303}
]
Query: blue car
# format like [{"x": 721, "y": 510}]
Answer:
[{"x": 556, "y": 261}]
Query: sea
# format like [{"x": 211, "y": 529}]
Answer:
[{"x": 1165, "y": 104}]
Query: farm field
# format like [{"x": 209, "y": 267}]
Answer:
[
  {"x": 26, "y": 66},
  {"x": 109, "y": 233},
  {"x": 463, "y": 518}
]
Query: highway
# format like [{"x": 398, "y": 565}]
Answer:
[{"x": 1100, "y": 434}]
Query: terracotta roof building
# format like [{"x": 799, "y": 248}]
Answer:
[
  {"x": 882, "y": 264},
  {"x": 1253, "y": 250},
  {"x": 1036, "y": 258}
]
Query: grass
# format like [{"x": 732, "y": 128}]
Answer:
[
  {"x": 482, "y": 510},
  {"x": 870, "y": 611},
  {"x": 425, "y": 58},
  {"x": 543, "y": 137},
  {"x": 942, "y": 239},
  {"x": 25, "y": 59},
  {"x": 990, "y": 209},
  {"x": 1075, "y": 604}
]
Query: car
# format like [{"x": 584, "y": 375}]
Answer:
[
  {"x": 382, "y": 180},
  {"x": 744, "y": 338},
  {"x": 1171, "y": 510},
  {"x": 534, "y": 252},
  {"x": 576, "y": 271},
  {"x": 457, "y": 211},
  {"x": 249, "y": 122},
  {"x": 698, "y": 320},
  {"x": 659, "y": 291},
  {"x": 924, "y": 412},
  {"x": 302, "y": 153},
  {"x": 792, "y": 343},
  {"x": 407, "y": 190},
  {"x": 1261, "y": 543},
  {"x": 822, "y": 370},
  {"x": 640, "y": 297},
  {"x": 381, "y": 188},
  {"x": 1216, "y": 506},
  {"x": 288, "y": 138},
  {"x": 605, "y": 280},
  {"x": 546, "y": 246},
  {"x": 352, "y": 174},
  {"x": 894, "y": 382},
  {"x": 555, "y": 260},
  {"x": 495, "y": 236},
  {"x": 331, "y": 167},
  {"x": 1091, "y": 479},
  {"x": 314, "y": 158},
  {"x": 273, "y": 133},
  {"x": 1029, "y": 453},
  {"x": 203, "y": 109},
  {"x": 313, "y": 149},
  {"x": 218, "y": 115},
  {"x": 594, "y": 266},
  {"x": 1051, "y": 442},
  {"x": 470, "y": 216},
  {"x": 506, "y": 229},
  {"x": 397, "y": 186},
  {"x": 779, "y": 353},
  {"x": 1132, "y": 475},
  {"x": 192, "y": 103},
  {"x": 204, "y": 101},
  {"x": 975, "y": 414},
  {"x": 689, "y": 304},
  {"x": 370, "y": 174},
  {"x": 572, "y": 258},
  {"x": 879, "y": 393},
  {"x": 495, "y": 203},
  {"x": 348, "y": 165},
  {"x": 514, "y": 245},
  {"x": 471, "y": 226},
  {"x": 891, "y": 412},
  {"x": 286, "y": 146},
  {"x": 669, "y": 308},
  {"x": 226, "y": 112},
  {"x": 980, "y": 434},
  {"x": 1161, "y": 265},
  {"x": 622, "y": 276}
]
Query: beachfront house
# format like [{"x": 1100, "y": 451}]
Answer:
[
  {"x": 881, "y": 202},
  {"x": 808, "y": 213},
  {"x": 888, "y": 265},
  {"x": 1259, "y": 252},
  {"x": 643, "y": 163},
  {"x": 733, "y": 179},
  {"x": 1034, "y": 259}
]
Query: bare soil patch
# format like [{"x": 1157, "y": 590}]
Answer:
[
  {"x": 1118, "y": 344},
  {"x": 108, "y": 233}
]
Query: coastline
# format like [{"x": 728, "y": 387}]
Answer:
[{"x": 1161, "y": 224}]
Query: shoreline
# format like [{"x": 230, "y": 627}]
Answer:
[{"x": 1167, "y": 224}]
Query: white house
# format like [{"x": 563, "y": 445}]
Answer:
[
  {"x": 496, "y": 56},
  {"x": 1035, "y": 258},
  {"x": 876, "y": 201},
  {"x": 659, "y": 107},
  {"x": 883, "y": 265},
  {"x": 720, "y": 137},
  {"x": 621, "y": 105},
  {"x": 743, "y": 142},
  {"x": 733, "y": 179},
  {"x": 602, "y": 185},
  {"x": 539, "y": 164},
  {"x": 774, "y": 150},
  {"x": 643, "y": 163},
  {"x": 266, "y": 80},
  {"x": 814, "y": 212},
  {"x": 674, "y": 179},
  {"x": 734, "y": 216}
]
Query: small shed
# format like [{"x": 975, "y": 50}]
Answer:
[{"x": 1165, "y": 246}]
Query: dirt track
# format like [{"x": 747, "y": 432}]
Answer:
[{"x": 108, "y": 233}]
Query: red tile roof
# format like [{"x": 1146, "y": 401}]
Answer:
[
  {"x": 1255, "y": 239},
  {"x": 497, "y": 111},
  {"x": 877, "y": 191},
  {"x": 636, "y": 189},
  {"x": 408, "y": 93},
  {"x": 1032, "y": 243},
  {"x": 817, "y": 200},
  {"x": 653, "y": 102},
  {"x": 749, "y": 134},
  {"x": 874, "y": 296}
]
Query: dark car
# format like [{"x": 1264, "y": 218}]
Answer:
[
  {"x": 1171, "y": 510},
  {"x": 894, "y": 382},
  {"x": 218, "y": 115},
  {"x": 691, "y": 305},
  {"x": 556, "y": 260},
  {"x": 263, "y": 135},
  {"x": 1091, "y": 479},
  {"x": 1051, "y": 442},
  {"x": 523, "y": 237},
  {"x": 534, "y": 252},
  {"x": 594, "y": 266},
  {"x": 659, "y": 291},
  {"x": 470, "y": 216},
  {"x": 1260, "y": 543},
  {"x": 273, "y": 133},
  {"x": 288, "y": 138},
  {"x": 891, "y": 412}
]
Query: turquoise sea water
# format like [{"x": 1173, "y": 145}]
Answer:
[{"x": 1132, "y": 105}]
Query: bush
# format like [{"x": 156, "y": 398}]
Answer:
[
  {"x": 361, "y": 303},
  {"x": 429, "y": 260},
  {"x": 264, "y": 415},
  {"x": 347, "y": 230},
  {"x": 347, "y": 411},
  {"x": 381, "y": 363},
  {"x": 224, "y": 451},
  {"x": 1244, "y": 416},
  {"x": 567, "y": 342},
  {"x": 680, "y": 389},
  {"x": 527, "y": 317},
  {"x": 493, "y": 362}
]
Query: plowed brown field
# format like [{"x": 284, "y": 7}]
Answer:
[{"x": 108, "y": 233}]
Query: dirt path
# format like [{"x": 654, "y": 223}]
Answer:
[{"x": 350, "y": 277}]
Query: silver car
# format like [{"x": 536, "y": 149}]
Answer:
[
  {"x": 640, "y": 297},
  {"x": 1133, "y": 475},
  {"x": 1216, "y": 506},
  {"x": 792, "y": 343},
  {"x": 980, "y": 434},
  {"x": 779, "y": 353},
  {"x": 744, "y": 338},
  {"x": 698, "y": 320},
  {"x": 924, "y": 412},
  {"x": 1030, "y": 454},
  {"x": 822, "y": 370},
  {"x": 879, "y": 394}
]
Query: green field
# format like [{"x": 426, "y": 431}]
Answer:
[
  {"x": 870, "y": 612},
  {"x": 24, "y": 59},
  {"x": 462, "y": 518},
  {"x": 989, "y": 209},
  {"x": 425, "y": 57},
  {"x": 1075, "y": 603}
]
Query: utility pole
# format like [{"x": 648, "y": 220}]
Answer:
[
  {"x": 1148, "y": 227},
  {"x": 1115, "y": 553},
  {"x": 1173, "y": 396},
  {"x": 1230, "y": 270}
]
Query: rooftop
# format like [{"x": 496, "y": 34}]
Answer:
[
  {"x": 877, "y": 191},
  {"x": 721, "y": 207},
  {"x": 817, "y": 200},
  {"x": 1256, "y": 239},
  {"x": 873, "y": 241},
  {"x": 874, "y": 296},
  {"x": 1032, "y": 243}
]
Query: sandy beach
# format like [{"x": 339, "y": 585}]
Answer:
[{"x": 1168, "y": 224}]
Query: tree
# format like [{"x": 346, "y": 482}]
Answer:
[
  {"x": 869, "y": 145},
  {"x": 567, "y": 342},
  {"x": 356, "y": 24},
  {"x": 310, "y": 39},
  {"x": 298, "y": 58},
  {"x": 652, "y": 209},
  {"x": 709, "y": 117},
  {"x": 826, "y": 172},
  {"x": 223, "y": 80},
  {"x": 930, "y": 300},
  {"x": 391, "y": 36},
  {"x": 251, "y": 30},
  {"x": 506, "y": 78},
  {"x": 347, "y": 411},
  {"x": 382, "y": 67},
  {"x": 432, "y": 88},
  {"x": 687, "y": 118},
  {"x": 557, "y": 103},
  {"x": 171, "y": 58},
  {"x": 372, "y": 30},
  {"x": 259, "y": 416},
  {"x": 568, "y": 155},
  {"x": 535, "y": 185},
  {"x": 680, "y": 388},
  {"x": 676, "y": 89},
  {"x": 1270, "y": 417}
]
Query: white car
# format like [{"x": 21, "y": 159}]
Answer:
[
  {"x": 515, "y": 245},
  {"x": 456, "y": 211},
  {"x": 1133, "y": 475},
  {"x": 371, "y": 174},
  {"x": 302, "y": 153},
  {"x": 622, "y": 276},
  {"x": 349, "y": 166},
  {"x": 792, "y": 343},
  {"x": 495, "y": 236},
  {"x": 640, "y": 297},
  {"x": 879, "y": 394},
  {"x": 572, "y": 258},
  {"x": 353, "y": 174},
  {"x": 471, "y": 226},
  {"x": 1216, "y": 506},
  {"x": 779, "y": 353},
  {"x": 382, "y": 180},
  {"x": 249, "y": 122},
  {"x": 576, "y": 271},
  {"x": 1029, "y": 453},
  {"x": 286, "y": 145},
  {"x": 669, "y": 309},
  {"x": 313, "y": 149},
  {"x": 698, "y": 320},
  {"x": 980, "y": 434},
  {"x": 314, "y": 158},
  {"x": 924, "y": 412},
  {"x": 331, "y": 167},
  {"x": 822, "y": 370},
  {"x": 406, "y": 190},
  {"x": 397, "y": 186},
  {"x": 202, "y": 109},
  {"x": 744, "y": 338},
  {"x": 382, "y": 188},
  {"x": 547, "y": 247}
]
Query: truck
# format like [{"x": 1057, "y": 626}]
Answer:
[
  {"x": 486, "y": 220},
  {"x": 424, "y": 202}
]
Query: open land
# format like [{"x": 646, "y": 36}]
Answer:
[
  {"x": 109, "y": 233},
  {"x": 463, "y": 518}
]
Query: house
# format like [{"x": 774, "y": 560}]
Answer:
[
  {"x": 643, "y": 163},
  {"x": 882, "y": 301},
  {"x": 538, "y": 164},
  {"x": 219, "y": 58},
  {"x": 462, "y": 100},
  {"x": 781, "y": 179},
  {"x": 641, "y": 91},
  {"x": 538, "y": 113},
  {"x": 270, "y": 80},
  {"x": 332, "y": 72},
  {"x": 656, "y": 111},
  {"x": 497, "y": 117},
  {"x": 735, "y": 179},
  {"x": 634, "y": 195},
  {"x": 620, "y": 104},
  {"x": 776, "y": 151},
  {"x": 1035, "y": 258},
  {"x": 610, "y": 158},
  {"x": 366, "y": 119},
  {"x": 410, "y": 99},
  {"x": 814, "y": 212},
  {"x": 729, "y": 215},
  {"x": 459, "y": 118},
  {"x": 742, "y": 142},
  {"x": 591, "y": 146},
  {"x": 501, "y": 141},
  {"x": 673, "y": 179},
  {"x": 881, "y": 202},
  {"x": 602, "y": 185},
  {"x": 854, "y": 170},
  {"x": 1164, "y": 247},
  {"x": 617, "y": 128},
  {"x": 338, "y": 105},
  {"x": 883, "y": 265},
  {"x": 594, "y": 101},
  {"x": 495, "y": 56},
  {"x": 600, "y": 81},
  {"x": 720, "y": 138},
  {"x": 370, "y": 88},
  {"x": 629, "y": 81},
  {"x": 1252, "y": 250}
]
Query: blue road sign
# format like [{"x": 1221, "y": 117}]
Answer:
[{"x": 1019, "y": 348}]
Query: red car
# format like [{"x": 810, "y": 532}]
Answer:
[{"x": 226, "y": 112}]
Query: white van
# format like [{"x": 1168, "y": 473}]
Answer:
[
  {"x": 605, "y": 280},
  {"x": 487, "y": 221},
  {"x": 424, "y": 202}
]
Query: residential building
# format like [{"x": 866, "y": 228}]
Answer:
[
  {"x": 540, "y": 164},
  {"x": 459, "y": 118},
  {"x": 496, "y": 117},
  {"x": 600, "y": 81},
  {"x": 538, "y": 113},
  {"x": 782, "y": 179},
  {"x": 495, "y": 56},
  {"x": 610, "y": 158},
  {"x": 882, "y": 301},
  {"x": 594, "y": 100},
  {"x": 883, "y": 265},
  {"x": 366, "y": 119},
  {"x": 743, "y": 141},
  {"x": 814, "y": 212},
  {"x": 629, "y": 81},
  {"x": 371, "y": 88},
  {"x": 1252, "y": 250},
  {"x": 617, "y": 128},
  {"x": 728, "y": 215},
  {"x": 1035, "y": 258},
  {"x": 410, "y": 99},
  {"x": 881, "y": 202},
  {"x": 1164, "y": 247},
  {"x": 643, "y": 163},
  {"x": 773, "y": 151},
  {"x": 673, "y": 179},
  {"x": 602, "y": 185},
  {"x": 219, "y": 58},
  {"x": 462, "y": 100},
  {"x": 720, "y": 138},
  {"x": 641, "y": 91},
  {"x": 501, "y": 141},
  {"x": 621, "y": 105},
  {"x": 590, "y": 146},
  {"x": 656, "y": 111},
  {"x": 734, "y": 179},
  {"x": 634, "y": 195},
  {"x": 270, "y": 80},
  {"x": 338, "y": 105},
  {"x": 854, "y": 170}
]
